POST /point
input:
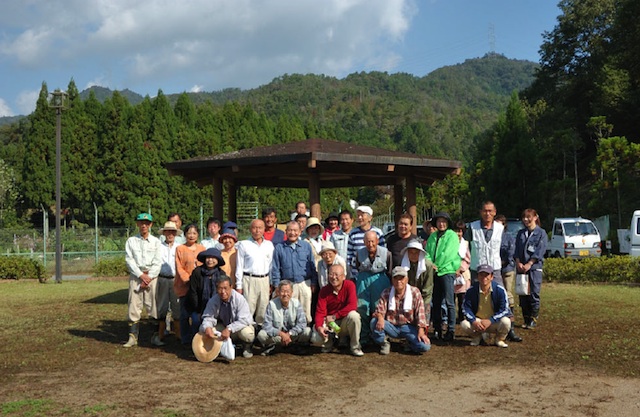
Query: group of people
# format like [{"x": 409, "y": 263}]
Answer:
[{"x": 332, "y": 285}]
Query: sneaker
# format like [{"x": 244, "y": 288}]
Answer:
[
  {"x": 502, "y": 344},
  {"x": 246, "y": 351},
  {"x": 385, "y": 348},
  {"x": 268, "y": 350},
  {"x": 357, "y": 352},
  {"x": 133, "y": 341},
  {"x": 449, "y": 337},
  {"x": 475, "y": 341},
  {"x": 532, "y": 324},
  {"x": 155, "y": 340}
]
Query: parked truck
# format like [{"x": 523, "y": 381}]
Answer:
[
  {"x": 634, "y": 234},
  {"x": 574, "y": 237}
]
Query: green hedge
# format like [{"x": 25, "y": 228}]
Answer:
[
  {"x": 21, "y": 267},
  {"x": 111, "y": 267},
  {"x": 612, "y": 269}
]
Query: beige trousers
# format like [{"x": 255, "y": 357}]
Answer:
[
  {"x": 302, "y": 291},
  {"x": 141, "y": 299},
  {"x": 245, "y": 335},
  {"x": 349, "y": 327},
  {"x": 500, "y": 328},
  {"x": 256, "y": 292}
]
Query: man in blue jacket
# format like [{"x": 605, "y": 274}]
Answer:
[
  {"x": 486, "y": 310},
  {"x": 293, "y": 260}
]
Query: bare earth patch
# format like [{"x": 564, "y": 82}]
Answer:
[
  {"x": 327, "y": 385},
  {"x": 62, "y": 356}
]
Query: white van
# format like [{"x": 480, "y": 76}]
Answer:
[
  {"x": 634, "y": 234},
  {"x": 574, "y": 237}
]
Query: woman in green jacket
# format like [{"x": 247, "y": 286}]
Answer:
[{"x": 442, "y": 251}]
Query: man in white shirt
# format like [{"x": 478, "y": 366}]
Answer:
[
  {"x": 143, "y": 257},
  {"x": 165, "y": 296},
  {"x": 253, "y": 265}
]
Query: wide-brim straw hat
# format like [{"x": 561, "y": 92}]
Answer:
[
  {"x": 170, "y": 226},
  {"x": 314, "y": 221},
  {"x": 205, "y": 348},
  {"x": 327, "y": 246}
]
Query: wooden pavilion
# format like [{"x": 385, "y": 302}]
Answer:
[{"x": 314, "y": 164}]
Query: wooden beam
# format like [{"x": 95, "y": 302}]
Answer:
[
  {"x": 314, "y": 195},
  {"x": 232, "y": 197},
  {"x": 398, "y": 202},
  {"x": 217, "y": 198},
  {"x": 411, "y": 201}
]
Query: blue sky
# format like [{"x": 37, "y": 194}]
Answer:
[{"x": 208, "y": 45}]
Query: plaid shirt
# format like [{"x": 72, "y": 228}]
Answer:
[{"x": 398, "y": 317}]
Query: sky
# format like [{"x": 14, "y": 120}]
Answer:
[{"x": 209, "y": 45}]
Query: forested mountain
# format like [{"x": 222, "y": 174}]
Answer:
[
  {"x": 569, "y": 144},
  {"x": 114, "y": 151}
]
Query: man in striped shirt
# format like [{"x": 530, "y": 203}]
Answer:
[{"x": 364, "y": 214}]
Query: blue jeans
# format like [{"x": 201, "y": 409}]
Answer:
[
  {"x": 443, "y": 290},
  {"x": 405, "y": 331}
]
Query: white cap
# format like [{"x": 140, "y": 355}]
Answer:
[{"x": 365, "y": 209}]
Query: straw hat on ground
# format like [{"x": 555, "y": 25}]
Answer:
[{"x": 205, "y": 348}]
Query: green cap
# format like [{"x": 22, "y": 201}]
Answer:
[{"x": 144, "y": 216}]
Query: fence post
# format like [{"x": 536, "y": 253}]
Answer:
[{"x": 95, "y": 208}]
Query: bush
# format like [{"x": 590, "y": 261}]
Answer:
[
  {"x": 21, "y": 267},
  {"x": 611, "y": 269},
  {"x": 111, "y": 267}
]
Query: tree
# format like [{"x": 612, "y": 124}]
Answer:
[{"x": 8, "y": 191}]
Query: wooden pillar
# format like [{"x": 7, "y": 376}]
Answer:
[
  {"x": 398, "y": 201},
  {"x": 217, "y": 198},
  {"x": 314, "y": 196},
  {"x": 410, "y": 192},
  {"x": 232, "y": 197}
]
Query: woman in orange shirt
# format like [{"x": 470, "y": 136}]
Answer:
[{"x": 186, "y": 262}]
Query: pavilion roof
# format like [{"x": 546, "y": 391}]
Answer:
[{"x": 336, "y": 164}]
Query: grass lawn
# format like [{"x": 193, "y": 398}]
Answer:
[{"x": 49, "y": 329}]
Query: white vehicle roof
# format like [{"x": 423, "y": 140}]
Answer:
[{"x": 571, "y": 219}]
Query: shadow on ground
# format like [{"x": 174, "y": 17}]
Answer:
[{"x": 116, "y": 297}]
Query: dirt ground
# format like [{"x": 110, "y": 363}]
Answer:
[
  {"x": 556, "y": 371},
  {"x": 171, "y": 382}
]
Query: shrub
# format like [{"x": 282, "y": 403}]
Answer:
[
  {"x": 21, "y": 267},
  {"x": 111, "y": 267},
  {"x": 611, "y": 269}
]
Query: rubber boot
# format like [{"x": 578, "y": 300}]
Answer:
[
  {"x": 512, "y": 336},
  {"x": 533, "y": 319},
  {"x": 526, "y": 315},
  {"x": 134, "y": 328},
  {"x": 176, "y": 328}
]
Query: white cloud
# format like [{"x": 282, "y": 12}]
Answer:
[
  {"x": 5, "y": 110},
  {"x": 26, "y": 101},
  {"x": 217, "y": 43},
  {"x": 196, "y": 89}
]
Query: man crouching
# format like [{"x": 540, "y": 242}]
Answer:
[
  {"x": 285, "y": 323},
  {"x": 486, "y": 310},
  {"x": 400, "y": 314}
]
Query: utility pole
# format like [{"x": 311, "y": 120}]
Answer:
[{"x": 57, "y": 102}]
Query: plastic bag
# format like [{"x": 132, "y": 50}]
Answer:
[
  {"x": 228, "y": 350},
  {"x": 522, "y": 284}
]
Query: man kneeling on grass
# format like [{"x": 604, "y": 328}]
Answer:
[
  {"x": 285, "y": 323},
  {"x": 486, "y": 310},
  {"x": 400, "y": 314}
]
